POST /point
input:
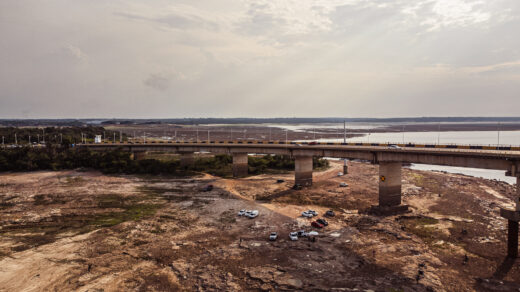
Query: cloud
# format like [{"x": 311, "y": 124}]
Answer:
[
  {"x": 173, "y": 20},
  {"x": 75, "y": 52},
  {"x": 158, "y": 82},
  {"x": 261, "y": 58}
]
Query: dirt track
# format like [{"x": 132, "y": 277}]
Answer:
[{"x": 86, "y": 231}]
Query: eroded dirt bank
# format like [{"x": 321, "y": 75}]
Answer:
[{"x": 89, "y": 232}]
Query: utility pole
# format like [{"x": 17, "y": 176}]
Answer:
[
  {"x": 114, "y": 137},
  {"x": 286, "y": 137},
  {"x": 3, "y": 140},
  {"x": 498, "y": 134},
  {"x": 29, "y": 139},
  {"x": 403, "y": 134},
  {"x": 43, "y": 135},
  {"x": 439, "y": 135},
  {"x": 208, "y": 137},
  {"x": 345, "y": 167},
  {"x": 15, "y": 139},
  {"x": 120, "y": 136}
]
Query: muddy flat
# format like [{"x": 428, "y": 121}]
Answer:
[{"x": 85, "y": 231}]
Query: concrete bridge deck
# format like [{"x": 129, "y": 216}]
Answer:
[{"x": 389, "y": 159}]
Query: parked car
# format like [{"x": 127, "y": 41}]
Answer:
[
  {"x": 340, "y": 173},
  {"x": 316, "y": 224},
  {"x": 312, "y": 233},
  {"x": 323, "y": 221},
  {"x": 297, "y": 187},
  {"x": 393, "y": 146},
  {"x": 208, "y": 188},
  {"x": 273, "y": 236},
  {"x": 293, "y": 236},
  {"x": 241, "y": 212},
  {"x": 330, "y": 213},
  {"x": 312, "y": 143},
  {"x": 279, "y": 181},
  {"x": 314, "y": 213},
  {"x": 343, "y": 185},
  {"x": 307, "y": 214},
  {"x": 252, "y": 214},
  {"x": 302, "y": 233}
]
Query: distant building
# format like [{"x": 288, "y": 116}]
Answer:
[{"x": 97, "y": 139}]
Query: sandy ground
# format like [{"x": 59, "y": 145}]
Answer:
[{"x": 85, "y": 231}]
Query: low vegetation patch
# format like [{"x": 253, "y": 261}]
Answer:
[{"x": 421, "y": 226}]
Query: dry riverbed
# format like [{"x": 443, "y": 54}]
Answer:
[{"x": 87, "y": 231}]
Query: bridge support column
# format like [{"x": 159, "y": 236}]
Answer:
[
  {"x": 389, "y": 184},
  {"x": 303, "y": 170},
  {"x": 240, "y": 165},
  {"x": 139, "y": 155},
  {"x": 187, "y": 159},
  {"x": 513, "y": 217},
  {"x": 389, "y": 190},
  {"x": 345, "y": 167},
  {"x": 512, "y": 239}
]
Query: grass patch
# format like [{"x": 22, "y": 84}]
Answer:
[
  {"x": 32, "y": 234},
  {"x": 131, "y": 213},
  {"x": 420, "y": 226},
  {"x": 227, "y": 217},
  {"x": 74, "y": 180}
]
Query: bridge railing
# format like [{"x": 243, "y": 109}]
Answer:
[{"x": 258, "y": 142}]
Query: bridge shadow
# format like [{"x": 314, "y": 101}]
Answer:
[
  {"x": 497, "y": 282},
  {"x": 504, "y": 268}
]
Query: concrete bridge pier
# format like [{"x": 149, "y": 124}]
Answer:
[
  {"x": 139, "y": 155},
  {"x": 513, "y": 217},
  {"x": 390, "y": 184},
  {"x": 389, "y": 190},
  {"x": 303, "y": 170},
  {"x": 187, "y": 159},
  {"x": 240, "y": 166}
]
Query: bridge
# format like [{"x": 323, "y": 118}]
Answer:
[{"x": 390, "y": 159}]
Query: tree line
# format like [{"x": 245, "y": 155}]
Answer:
[
  {"x": 65, "y": 136},
  {"x": 56, "y": 157}
]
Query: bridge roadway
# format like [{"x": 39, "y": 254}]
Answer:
[{"x": 389, "y": 159}]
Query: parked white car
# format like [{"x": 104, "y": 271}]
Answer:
[
  {"x": 307, "y": 214},
  {"x": 241, "y": 212},
  {"x": 302, "y": 233},
  {"x": 314, "y": 213},
  {"x": 273, "y": 236},
  {"x": 252, "y": 214},
  {"x": 293, "y": 236},
  {"x": 343, "y": 185}
]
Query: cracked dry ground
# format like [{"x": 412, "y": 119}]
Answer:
[{"x": 86, "y": 231}]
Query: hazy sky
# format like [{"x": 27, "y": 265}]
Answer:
[{"x": 232, "y": 58}]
